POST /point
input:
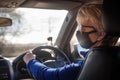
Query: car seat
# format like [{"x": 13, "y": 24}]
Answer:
[
  {"x": 6, "y": 72},
  {"x": 103, "y": 63}
]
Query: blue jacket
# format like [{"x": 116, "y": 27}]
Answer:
[{"x": 42, "y": 72}]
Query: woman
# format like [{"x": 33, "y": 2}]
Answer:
[{"x": 90, "y": 34}]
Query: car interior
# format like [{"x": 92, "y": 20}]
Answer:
[{"x": 48, "y": 28}]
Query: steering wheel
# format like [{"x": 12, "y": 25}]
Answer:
[{"x": 48, "y": 55}]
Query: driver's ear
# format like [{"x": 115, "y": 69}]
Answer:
[{"x": 101, "y": 36}]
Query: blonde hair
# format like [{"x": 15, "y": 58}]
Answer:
[{"x": 93, "y": 12}]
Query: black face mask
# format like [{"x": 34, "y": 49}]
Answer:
[{"x": 84, "y": 40}]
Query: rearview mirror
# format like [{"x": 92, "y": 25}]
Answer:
[{"x": 5, "y": 22}]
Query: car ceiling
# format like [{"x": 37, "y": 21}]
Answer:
[{"x": 56, "y": 4}]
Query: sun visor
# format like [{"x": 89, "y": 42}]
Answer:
[{"x": 111, "y": 17}]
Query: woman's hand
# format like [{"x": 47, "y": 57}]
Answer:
[{"x": 29, "y": 56}]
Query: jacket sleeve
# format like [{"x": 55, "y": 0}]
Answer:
[{"x": 42, "y": 72}]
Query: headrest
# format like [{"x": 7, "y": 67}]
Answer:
[{"x": 111, "y": 17}]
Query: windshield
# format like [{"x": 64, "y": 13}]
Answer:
[{"x": 30, "y": 28}]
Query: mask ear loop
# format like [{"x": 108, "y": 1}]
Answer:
[
  {"x": 79, "y": 27},
  {"x": 94, "y": 31}
]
